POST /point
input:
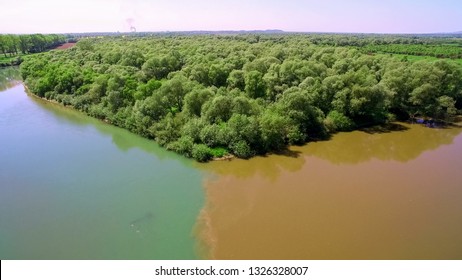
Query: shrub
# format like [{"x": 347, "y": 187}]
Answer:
[
  {"x": 183, "y": 146},
  {"x": 218, "y": 152},
  {"x": 242, "y": 150},
  {"x": 201, "y": 152},
  {"x": 336, "y": 121}
]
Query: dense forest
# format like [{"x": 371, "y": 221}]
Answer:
[{"x": 207, "y": 96}]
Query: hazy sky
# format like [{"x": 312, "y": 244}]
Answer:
[{"x": 392, "y": 16}]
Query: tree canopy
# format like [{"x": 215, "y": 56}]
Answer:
[{"x": 209, "y": 95}]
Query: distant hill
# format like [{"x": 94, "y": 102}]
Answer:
[
  {"x": 198, "y": 32},
  {"x": 270, "y": 31},
  {"x": 76, "y": 36}
]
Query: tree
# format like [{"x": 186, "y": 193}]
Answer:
[
  {"x": 254, "y": 85},
  {"x": 244, "y": 129},
  {"x": 200, "y": 74},
  {"x": 184, "y": 146},
  {"x": 5, "y": 44},
  {"x": 236, "y": 80},
  {"x": 201, "y": 152},
  {"x": 336, "y": 121},
  {"x": 274, "y": 130},
  {"x": 446, "y": 108},
  {"x": 154, "y": 69},
  {"x": 145, "y": 90},
  {"x": 245, "y": 106},
  {"x": 205, "y": 96},
  {"x": 330, "y": 86},
  {"x": 193, "y": 128},
  {"x": 218, "y": 109},
  {"x": 173, "y": 92},
  {"x": 368, "y": 105},
  {"x": 295, "y": 104},
  {"x": 212, "y": 135},
  {"x": 399, "y": 84},
  {"x": 194, "y": 100},
  {"x": 218, "y": 74},
  {"x": 132, "y": 57},
  {"x": 261, "y": 64},
  {"x": 242, "y": 150},
  {"x": 167, "y": 130},
  {"x": 423, "y": 99}
]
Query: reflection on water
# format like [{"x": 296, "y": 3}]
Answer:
[
  {"x": 122, "y": 138},
  {"x": 402, "y": 144},
  {"x": 361, "y": 195},
  {"x": 9, "y": 77}
]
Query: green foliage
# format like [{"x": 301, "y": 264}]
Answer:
[
  {"x": 193, "y": 128},
  {"x": 336, "y": 121},
  {"x": 245, "y": 106},
  {"x": 236, "y": 79},
  {"x": 242, "y": 150},
  {"x": 218, "y": 109},
  {"x": 243, "y": 127},
  {"x": 446, "y": 107},
  {"x": 145, "y": 90},
  {"x": 215, "y": 135},
  {"x": 194, "y": 100},
  {"x": 218, "y": 152},
  {"x": 440, "y": 51},
  {"x": 206, "y": 96},
  {"x": 173, "y": 92},
  {"x": 274, "y": 130},
  {"x": 201, "y": 152},
  {"x": 14, "y": 45},
  {"x": 183, "y": 146},
  {"x": 254, "y": 85},
  {"x": 296, "y": 105},
  {"x": 166, "y": 130},
  {"x": 132, "y": 57}
]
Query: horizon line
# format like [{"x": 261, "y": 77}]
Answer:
[{"x": 243, "y": 31}]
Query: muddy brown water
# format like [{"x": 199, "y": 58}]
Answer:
[{"x": 391, "y": 194}]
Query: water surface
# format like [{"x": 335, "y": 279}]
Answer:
[
  {"x": 391, "y": 194},
  {"x": 72, "y": 187}
]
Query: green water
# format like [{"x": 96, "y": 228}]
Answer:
[{"x": 72, "y": 187}]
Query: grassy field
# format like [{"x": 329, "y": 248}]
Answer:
[{"x": 413, "y": 58}]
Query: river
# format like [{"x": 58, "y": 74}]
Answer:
[
  {"x": 72, "y": 187},
  {"x": 393, "y": 194}
]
